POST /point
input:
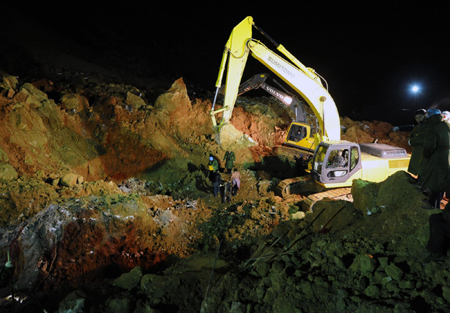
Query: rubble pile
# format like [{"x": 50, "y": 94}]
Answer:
[
  {"x": 335, "y": 259},
  {"x": 107, "y": 207}
]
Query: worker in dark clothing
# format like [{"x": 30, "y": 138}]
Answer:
[
  {"x": 226, "y": 192},
  {"x": 439, "y": 240},
  {"x": 436, "y": 156},
  {"x": 216, "y": 181},
  {"x": 213, "y": 166},
  {"x": 338, "y": 159},
  {"x": 229, "y": 159},
  {"x": 416, "y": 140},
  {"x": 6, "y": 272}
]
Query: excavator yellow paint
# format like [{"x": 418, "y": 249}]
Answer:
[
  {"x": 372, "y": 162},
  {"x": 301, "y": 78}
]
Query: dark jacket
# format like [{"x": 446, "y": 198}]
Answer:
[
  {"x": 229, "y": 159},
  {"x": 213, "y": 165},
  {"x": 216, "y": 179},
  {"x": 416, "y": 140},
  {"x": 436, "y": 154}
]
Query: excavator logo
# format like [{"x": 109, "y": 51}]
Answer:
[
  {"x": 280, "y": 67},
  {"x": 287, "y": 99}
]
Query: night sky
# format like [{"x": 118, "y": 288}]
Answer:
[{"x": 370, "y": 54}]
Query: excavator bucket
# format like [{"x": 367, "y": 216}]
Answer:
[{"x": 229, "y": 138}]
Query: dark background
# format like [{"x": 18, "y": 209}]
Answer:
[{"x": 370, "y": 54}]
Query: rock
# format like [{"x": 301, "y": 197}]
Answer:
[
  {"x": 118, "y": 305},
  {"x": 232, "y": 139},
  {"x": 7, "y": 172},
  {"x": 3, "y": 156},
  {"x": 372, "y": 291},
  {"x": 365, "y": 196},
  {"x": 367, "y": 264},
  {"x": 142, "y": 307},
  {"x": 383, "y": 262},
  {"x": 73, "y": 303},
  {"x": 129, "y": 280},
  {"x": 31, "y": 95},
  {"x": 73, "y": 103},
  {"x": 135, "y": 101},
  {"x": 446, "y": 293},
  {"x": 263, "y": 269},
  {"x": 406, "y": 284},
  {"x": 298, "y": 215},
  {"x": 69, "y": 180},
  {"x": 154, "y": 286},
  {"x": 9, "y": 82},
  {"x": 394, "y": 271}
]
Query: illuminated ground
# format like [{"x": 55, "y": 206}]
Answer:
[{"x": 70, "y": 228}]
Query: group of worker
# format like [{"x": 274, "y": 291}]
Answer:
[
  {"x": 230, "y": 188},
  {"x": 430, "y": 162}
]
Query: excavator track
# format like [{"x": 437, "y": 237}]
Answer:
[
  {"x": 286, "y": 186},
  {"x": 335, "y": 194},
  {"x": 306, "y": 185}
]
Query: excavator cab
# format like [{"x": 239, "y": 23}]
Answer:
[
  {"x": 300, "y": 136},
  {"x": 336, "y": 163}
]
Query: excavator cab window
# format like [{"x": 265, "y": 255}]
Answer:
[
  {"x": 337, "y": 165},
  {"x": 297, "y": 133},
  {"x": 354, "y": 158}
]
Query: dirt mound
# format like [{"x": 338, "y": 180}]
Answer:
[
  {"x": 335, "y": 259},
  {"x": 375, "y": 131},
  {"x": 98, "y": 179}
]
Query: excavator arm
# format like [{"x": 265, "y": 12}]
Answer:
[
  {"x": 302, "y": 79},
  {"x": 259, "y": 81}
]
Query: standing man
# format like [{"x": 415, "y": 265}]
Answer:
[
  {"x": 437, "y": 157},
  {"x": 226, "y": 192},
  {"x": 229, "y": 161},
  {"x": 416, "y": 140},
  {"x": 216, "y": 181},
  {"x": 439, "y": 240},
  {"x": 235, "y": 182},
  {"x": 213, "y": 166}
]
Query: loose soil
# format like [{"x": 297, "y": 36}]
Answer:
[{"x": 107, "y": 206}]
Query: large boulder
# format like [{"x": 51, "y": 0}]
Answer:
[{"x": 7, "y": 172}]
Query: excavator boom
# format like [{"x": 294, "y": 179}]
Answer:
[{"x": 301, "y": 78}]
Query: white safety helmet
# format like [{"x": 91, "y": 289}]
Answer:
[{"x": 445, "y": 115}]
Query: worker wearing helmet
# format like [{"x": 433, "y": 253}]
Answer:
[
  {"x": 416, "y": 139},
  {"x": 213, "y": 166},
  {"x": 436, "y": 157}
]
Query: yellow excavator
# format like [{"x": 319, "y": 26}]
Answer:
[
  {"x": 300, "y": 139},
  {"x": 335, "y": 163},
  {"x": 305, "y": 81}
]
